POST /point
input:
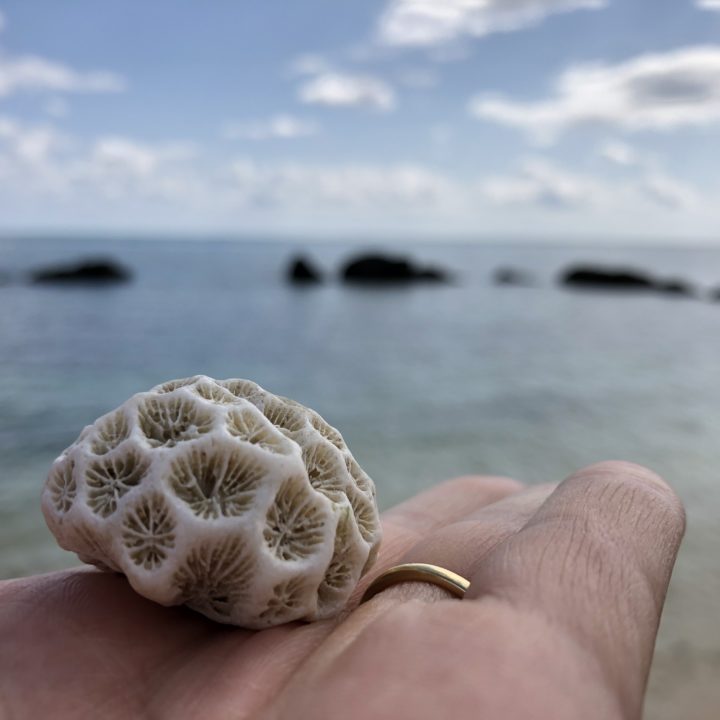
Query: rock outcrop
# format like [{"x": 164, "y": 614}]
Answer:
[
  {"x": 372, "y": 269},
  {"x": 86, "y": 271}
]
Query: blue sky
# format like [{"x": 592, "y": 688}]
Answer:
[{"x": 398, "y": 118}]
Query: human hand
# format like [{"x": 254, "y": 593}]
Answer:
[{"x": 567, "y": 587}]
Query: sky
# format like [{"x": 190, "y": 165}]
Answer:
[{"x": 477, "y": 119}]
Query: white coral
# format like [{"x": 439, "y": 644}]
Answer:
[{"x": 245, "y": 506}]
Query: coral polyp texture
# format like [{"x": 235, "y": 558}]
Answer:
[{"x": 216, "y": 494}]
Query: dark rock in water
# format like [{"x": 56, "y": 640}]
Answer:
[
  {"x": 625, "y": 279},
  {"x": 511, "y": 276},
  {"x": 384, "y": 269},
  {"x": 303, "y": 271},
  {"x": 88, "y": 271},
  {"x": 622, "y": 279},
  {"x": 675, "y": 287}
]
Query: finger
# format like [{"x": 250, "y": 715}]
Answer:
[
  {"x": 595, "y": 562},
  {"x": 461, "y": 545},
  {"x": 449, "y": 501},
  {"x": 404, "y": 524}
]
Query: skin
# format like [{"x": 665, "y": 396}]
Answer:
[{"x": 568, "y": 583}]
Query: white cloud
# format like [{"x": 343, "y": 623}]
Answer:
[
  {"x": 118, "y": 155},
  {"x": 38, "y": 161},
  {"x": 619, "y": 153},
  {"x": 708, "y": 4},
  {"x": 540, "y": 182},
  {"x": 282, "y": 127},
  {"x": 539, "y": 185},
  {"x": 27, "y": 156},
  {"x": 32, "y": 73},
  {"x": 649, "y": 177},
  {"x": 117, "y": 180},
  {"x": 344, "y": 90},
  {"x": 32, "y": 144},
  {"x": 433, "y": 22},
  {"x": 654, "y": 92},
  {"x": 669, "y": 192},
  {"x": 120, "y": 167},
  {"x": 291, "y": 184}
]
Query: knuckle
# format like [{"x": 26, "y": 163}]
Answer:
[{"x": 631, "y": 479}]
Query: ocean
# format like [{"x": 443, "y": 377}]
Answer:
[{"x": 425, "y": 382}]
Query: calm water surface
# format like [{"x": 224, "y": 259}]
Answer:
[{"x": 425, "y": 383}]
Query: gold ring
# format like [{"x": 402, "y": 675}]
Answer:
[{"x": 455, "y": 584}]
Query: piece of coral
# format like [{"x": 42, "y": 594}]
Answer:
[{"x": 244, "y": 505}]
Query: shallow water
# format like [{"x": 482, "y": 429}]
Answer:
[{"x": 424, "y": 382}]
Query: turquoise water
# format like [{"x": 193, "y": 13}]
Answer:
[{"x": 424, "y": 382}]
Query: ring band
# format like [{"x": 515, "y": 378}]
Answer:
[{"x": 455, "y": 584}]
